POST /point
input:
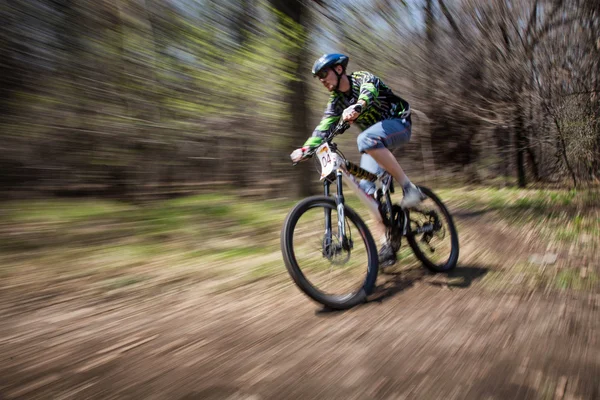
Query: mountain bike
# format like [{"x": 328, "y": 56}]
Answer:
[{"x": 327, "y": 247}]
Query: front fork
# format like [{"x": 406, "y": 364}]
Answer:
[
  {"x": 328, "y": 239},
  {"x": 339, "y": 201}
]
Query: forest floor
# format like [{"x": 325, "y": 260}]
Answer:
[{"x": 190, "y": 299}]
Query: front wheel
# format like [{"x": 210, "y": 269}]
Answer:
[
  {"x": 336, "y": 272},
  {"x": 432, "y": 234}
]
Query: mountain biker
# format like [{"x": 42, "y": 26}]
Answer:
[{"x": 384, "y": 118}]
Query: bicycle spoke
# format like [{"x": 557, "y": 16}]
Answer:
[
  {"x": 332, "y": 270},
  {"x": 432, "y": 234}
]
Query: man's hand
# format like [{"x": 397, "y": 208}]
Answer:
[
  {"x": 298, "y": 154},
  {"x": 351, "y": 113}
]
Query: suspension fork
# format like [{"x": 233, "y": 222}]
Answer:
[
  {"x": 327, "y": 240},
  {"x": 339, "y": 201}
]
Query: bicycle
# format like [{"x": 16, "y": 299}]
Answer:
[{"x": 334, "y": 242}]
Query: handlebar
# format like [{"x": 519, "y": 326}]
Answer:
[{"x": 340, "y": 128}]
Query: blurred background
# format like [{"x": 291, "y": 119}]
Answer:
[
  {"x": 145, "y": 179},
  {"x": 145, "y": 98}
]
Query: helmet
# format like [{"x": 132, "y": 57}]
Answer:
[{"x": 329, "y": 60}]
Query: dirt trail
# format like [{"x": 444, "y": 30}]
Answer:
[{"x": 421, "y": 337}]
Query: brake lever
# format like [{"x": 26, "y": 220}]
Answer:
[{"x": 342, "y": 127}]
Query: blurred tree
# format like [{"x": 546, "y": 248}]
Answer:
[
  {"x": 132, "y": 97},
  {"x": 292, "y": 16}
]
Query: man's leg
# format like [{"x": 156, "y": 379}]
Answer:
[
  {"x": 387, "y": 161},
  {"x": 372, "y": 143},
  {"x": 386, "y": 255},
  {"x": 376, "y": 142},
  {"x": 369, "y": 164}
]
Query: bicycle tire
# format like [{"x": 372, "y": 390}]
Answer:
[
  {"x": 452, "y": 260},
  {"x": 338, "y": 302}
]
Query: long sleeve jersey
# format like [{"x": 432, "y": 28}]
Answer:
[{"x": 381, "y": 103}]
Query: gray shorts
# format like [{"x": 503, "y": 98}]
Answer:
[{"x": 389, "y": 133}]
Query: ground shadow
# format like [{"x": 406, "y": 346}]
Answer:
[
  {"x": 460, "y": 277},
  {"x": 396, "y": 281},
  {"x": 463, "y": 276},
  {"x": 393, "y": 282}
]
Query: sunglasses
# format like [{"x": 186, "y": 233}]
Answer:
[{"x": 322, "y": 74}]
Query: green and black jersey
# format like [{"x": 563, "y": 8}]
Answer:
[{"x": 381, "y": 103}]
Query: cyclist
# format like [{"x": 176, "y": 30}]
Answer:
[{"x": 384, "y": 118}]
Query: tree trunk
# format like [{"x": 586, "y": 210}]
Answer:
[
  {"x": 520, "y": 148},
  {"x": 426, "y": 142},
  {"x": 243, "y": 159},
  {"x": 296, "y": 89},
  {"x": 563, "y": 151}
]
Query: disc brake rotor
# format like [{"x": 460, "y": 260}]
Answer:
[{"x": 334, "y": 251}]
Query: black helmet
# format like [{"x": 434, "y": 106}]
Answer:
[{"x": 329, "y": 60}]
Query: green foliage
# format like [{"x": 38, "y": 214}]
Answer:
[
  {"x": 572, "y": 216},
  {"x": 109, "y": 246},
  {"x": 572, "y": 279}
]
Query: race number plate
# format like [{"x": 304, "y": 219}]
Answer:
[{"x": 328, "y": 159}]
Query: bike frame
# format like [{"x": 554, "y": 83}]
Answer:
[
  {"x": 342, "y": 174},
  {"x": 351, "y": 172}
]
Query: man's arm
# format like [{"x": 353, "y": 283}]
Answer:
[
  {"x": 332, "y": 115},
  {"x": 369, "y": 89}
]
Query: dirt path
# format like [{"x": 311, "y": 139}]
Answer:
[{"x": 421, "y": 337}]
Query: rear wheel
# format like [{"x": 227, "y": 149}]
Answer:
[
  {"x": 334, "y": 273},
  {"x": 432, "y": 234}
]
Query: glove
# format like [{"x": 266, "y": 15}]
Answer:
[
  {"x": 299, "y": 154},
  {"x": 351, "y": 113}
]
